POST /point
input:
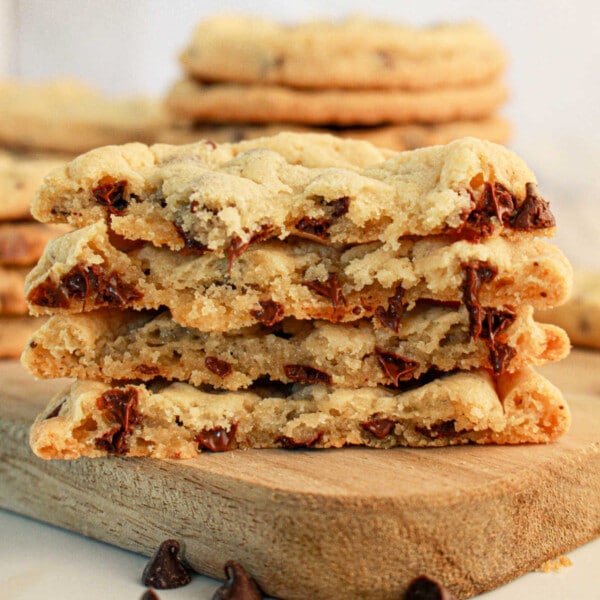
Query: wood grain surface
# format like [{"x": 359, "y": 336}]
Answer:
[{"x": 350, "y": 523}]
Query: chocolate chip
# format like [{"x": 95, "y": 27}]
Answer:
[
  {"x": 121, "y": 404},
  {"x": 445, "y": 429},
  {"x": 237, "y": 247},
  {"x": 111, "y": 194},
  {"x": 340, "y": 207},
  {"x": 534, "y": 213},
  {"x": 147, "y": 369},
  {"x": 306, "y": 374},
  {"x": 396, "y": 367},
  {"x": 495, "y": 200},
  {"x": 239, "y": 585},
  {"x": 191, "y": 246},
  {"x": 150, "y": 595},
  {"x": 218, "y": 366},
  {"x": 476, "y": 273},
  {"x": 269, "y": 314},
  {"x": 494, "y": 323},
  {"x": 500, "y": 357},
  {"x": 48, "y": 295},
  {"x": 288, "y": 442},
  {"x": 55, "y": 411},
  {"x": 328, "y": 289},
  {"x": 217, "y": 439},
  {"x": 392, "y": 316},
  {"x": 380, "y": 428},
  {"x": 317, "y": 227},
  {"x": 165, "y": 570},
  {"x": 425, "y": 588}
]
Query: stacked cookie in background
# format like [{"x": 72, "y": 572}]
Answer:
[
  {"x": 299, "y": 290},
  {"x": 396, "y": 86},
  {"x": 22, "y": 242},
  {"x": 41, "y": 126}
]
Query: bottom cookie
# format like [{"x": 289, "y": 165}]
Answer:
[
  {"x": 14, "y": 333},
  {"x": 396, "y": 137},
  {"x": 580, "y": 315},
  {"x": 178, "y": 420}
]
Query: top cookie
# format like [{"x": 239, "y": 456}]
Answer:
[
  {"x": 202, "y": 197},
  {"x": 356, "y": 53},
  {"x": 69, "y": 117}
]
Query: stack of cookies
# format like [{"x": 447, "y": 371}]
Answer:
[
  {"x": 40, "y": 125},
  {"x": 22, "y": 242},
  {"x": 295, "y": 291},
  {"x": 396, "y": 86}
]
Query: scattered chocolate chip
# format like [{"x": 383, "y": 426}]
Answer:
[
  {"x": 55, "y": 411},
  {"x": 396, "y": 367},
  {"x": 425, "y": 588},
  {"x": 445, "y": 429},
  {"x": 476, "y": 273},
  {"x": 340, "y": 207},
  {"x": 150, "y": 594},
  {"x": 122, "y": 406},
  {"x": 306, "y": 374},
  {"x": 534, "y": 213},
  {"x": 288, "y": 442},
  {"x": 218, "y": 366},
  {"x": 190, "y": 245},
  {"x": 111, "y": 194},
  {"x": 270, "y": 312},
  {"x": 380, "y": 428},
  {"x": 237, "y": 247},
  {"x": 217, "y": 439},
  {"x": 239, "y": 585},
  {"x": 317, "y": 227},
  {"x": 147, "y": 369},
  {"x": 392, "y": 316},
  {"x": 165, "y": 570},
  {"x": 328, "y": 289}
]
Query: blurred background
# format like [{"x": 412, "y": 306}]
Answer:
[{"x": 131, "y": 46}]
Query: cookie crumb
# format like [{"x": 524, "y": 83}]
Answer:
[{"x": 554, "y": 565}]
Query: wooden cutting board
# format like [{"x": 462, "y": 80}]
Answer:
[{"x": 350, "y": 523}]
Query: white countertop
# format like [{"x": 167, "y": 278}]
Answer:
[{"x": 42, "y": 561}]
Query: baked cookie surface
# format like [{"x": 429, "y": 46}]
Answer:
[{"x": 356, "y": 53}]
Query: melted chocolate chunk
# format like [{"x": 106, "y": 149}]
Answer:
[
  {"x": 190, "y": 245},
  {"x": 439, "y": 430},
  {"x": 380, "y": 428},
  {"x": 317, "y": 227},
  {"x": 150, "y": 595},
  {"x": 55, "y": 411},
  {"x": 392, "y": 316},
  {"x": 328, "y": 289},
  {"x": 495, "y": 201},
  {"x": 288, "y": 442},
  {"x": 218, "y": 366},
  {"x": 122, "y": 406},
  {"x": 165, "y": 570},
  {"x": 217, "y": 439},
  {"x": 534, "y": 213},
  {"x": 270, "y": 312},
  {"x": 147, "y": 369},
  {"x": 494, "y": 323},
  {"x": 111, "y": 194},
  {"x": 340, "y": 207},
  {"x": 306, "y": 374},
  {"x": 424, "y": 588},
  {"x": 47, "y": 294},
  {"x": 500, "y": 357},
  {"x": 112, "y": 290},
  {"x": 237, "y": 247},
  {"x": 239, "y": 585},
  {"x": 396, "y": 367},
  {"x": 476, "y": 273}
]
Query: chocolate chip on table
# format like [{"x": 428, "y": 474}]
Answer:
[
  {"x": 165, "y": 570},
  {"x": 425, "y": 588},
  {"x": 239, "y": 585},
  {"x": 150, "y": 594}
]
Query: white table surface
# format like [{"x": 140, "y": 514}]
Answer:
[{"x": 41, "y": 561}]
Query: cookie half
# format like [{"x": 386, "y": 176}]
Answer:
[{"x": 179, "y": 421}]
